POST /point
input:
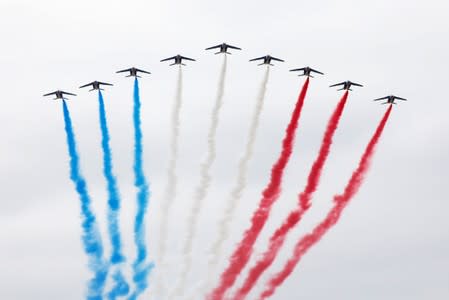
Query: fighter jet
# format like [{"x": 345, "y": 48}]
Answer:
[
  {"x": 223, "y": 48},
  {"x": 390, "y": 99},
  {"x": 306, "y": 71},
  {"x": 133, "y": 72},
  {"x": 266, "y": 60},
  {"x": 59, "y": 94},
  {"x": 95, "y": 85},
  {"x": 346, "y": 85},
  {"x": 178, "y": 59}
]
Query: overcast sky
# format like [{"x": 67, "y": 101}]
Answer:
[{"x": 392, "y": 241}]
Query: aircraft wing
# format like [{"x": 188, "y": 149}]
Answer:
[
  {"x": 399, "y": 98},
  {"x": 122, "y": 71},
  {"x": 337, "y": 84},
  {"x": 356, "y": 84},
  {"x": 105, "y": 83},
  {"x": 83, "y": 86},
  {"x": 213, "y": 47},
  {"x": 234, "y": 47},
  {"x": 316, "y": 71},
  {"x": 383, "y": 98},
  {"x": 187, "y": 58},
  {"x": 170, "y": 58},
  {"x": 258, "y": 58},
  {"x": 299, "y": 69},
  {"x": 142, "y": 71},
  {"x": 49, "y": 94},
  {"x": 66, "y": 93},
  {"x": 278, "y": 59}
]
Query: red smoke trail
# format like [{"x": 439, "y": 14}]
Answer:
[
  {"x": 304, "y": 199},
  {"x": 243, "y": 252},
  {"x": 340, "y": 202}
]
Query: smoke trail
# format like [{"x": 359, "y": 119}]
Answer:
[
  {"x": 237, "y": 191},
  {"x": 278, "y": 238},
  {"x": 340, "y": 202},
  {"x": 205, "y": 178},
  {"x": 271, "y": 193},
  {"x": 141, "y": 268},
  {"x": 91, "y": 237},
  {"x": 170, "y": 192},
  {"x": 120, "y": 287}
]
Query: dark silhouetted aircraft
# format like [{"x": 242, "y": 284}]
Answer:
[
  {"x": 178, "y": 59},
  {"x": 266, "y": 60},
  {"x": 95, "y": 85},
  {"x": 133, "y": 72},
  {"x": 390, "y": 99},
  {"x": 59, "y": 94},
  {"x": 223, "y": 48},
  {"x": 306, "y": 71},
  {"x": 346, "y": 85}
]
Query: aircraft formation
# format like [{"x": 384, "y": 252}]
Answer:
[
  {"x": 223, "y": 49},
  {"x": 176, "y": 288}
]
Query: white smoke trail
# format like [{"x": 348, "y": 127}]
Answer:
[
  {"x": 222, "y": 235},
  {"x": 205, "y": 178},
  {"x": 172, "y": 181}
]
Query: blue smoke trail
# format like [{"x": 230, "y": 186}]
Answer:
[
  {"x": 121, "y": 287},
  {"x": 141, "y": 269},
  {"x": 91, "y": 237}
]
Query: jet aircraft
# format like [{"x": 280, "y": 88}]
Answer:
[
  {"x": 306, "y": 71},
  {"x": 223, "y": 48},
  {"x": 59, "y": 94},
  {"x": 390, "y": 99},
  {"x": 178, "y": 59},
  {"x": 133, "y": 72},
  {"x": 266, "y": 60},
  {"x": 346, "y": 85},
  {"x": 95, "y": 85}
]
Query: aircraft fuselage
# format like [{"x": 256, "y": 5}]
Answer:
[{"x": 59, "y": 95}]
